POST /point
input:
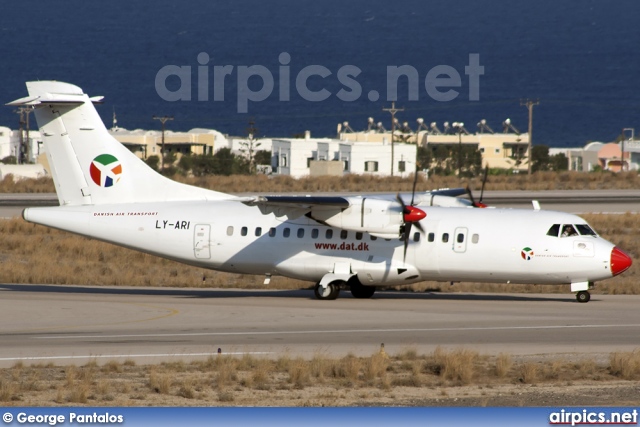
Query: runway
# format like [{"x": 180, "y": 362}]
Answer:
[{"x": 75, "y": 324}]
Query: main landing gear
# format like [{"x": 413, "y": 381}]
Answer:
[
  {"x": 329, "y": 292},
  {"x": 358, "y": 290},
  {"x": 583, "y": 296},
  {"x": 332, "y": 290}
]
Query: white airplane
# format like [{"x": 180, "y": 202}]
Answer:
[{"x": 355, "y": 242}]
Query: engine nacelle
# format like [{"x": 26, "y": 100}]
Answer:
[{"x": 378, "y": 217}]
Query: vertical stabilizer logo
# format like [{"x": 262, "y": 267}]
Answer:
[
  {"x": 105, "y": 170},
  {"x": 527, "y": 253}
]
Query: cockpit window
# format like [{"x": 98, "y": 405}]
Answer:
[
  {"x": 568, "y": 230},
  {"x": 554, "y": 230},
  {"x": 585, "y": 230}
]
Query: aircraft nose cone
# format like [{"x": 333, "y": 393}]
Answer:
[{"x": 620, "y": 261}]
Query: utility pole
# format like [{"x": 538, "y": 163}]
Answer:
[
  {"x": 622, "y": 150},
  {"x": 252, "y": 131},
  {"x": 530, "y": 104},
  {"x": 24, "y": 141},
  {"x": 163, "y": 120},
  {"x": 393, "y": 110}
]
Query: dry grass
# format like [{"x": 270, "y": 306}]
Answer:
[
  {"x": 503, "y": 365},
  {"x": 248, "y": 380},
  {"x": 625, "y": 365}
]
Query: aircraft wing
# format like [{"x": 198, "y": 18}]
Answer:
[{"x": 296, "y": 206}]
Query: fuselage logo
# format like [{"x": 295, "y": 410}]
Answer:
[
  {"x": 105, "y": 170},
  {"x": 526, "y": 254}
]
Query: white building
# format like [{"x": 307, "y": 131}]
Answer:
[
  {"x": 294, "y": 156},
  {"x": 10, "y": 144}
]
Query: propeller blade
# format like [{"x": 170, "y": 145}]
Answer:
[
  {"x": 473, "y": 201},
  {"x": 415, "y": 181},
  {"x": 407, "y": 233},
  {"x": 419, "y": 227},
  {"x": 399, "y": 199},
  {"x": 484, "y": 181}
]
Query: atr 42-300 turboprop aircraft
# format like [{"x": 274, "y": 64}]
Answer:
[{"x": 338, "y": 242}]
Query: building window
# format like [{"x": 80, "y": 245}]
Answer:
[
  {"x": 258, "y": 231},
  {"x": 309, "y": 160},
  {"x": 482, "y": 150},
  {"x": 497, "y": 151},
  {"x": 230, "y": 230},
  {"x": 329, "y": 234},
  {"x": 243, "y": 231},
  {"x": 300, "y": 233},
  {"x": 286, "y": 232},
  {"x": 283, "y": 161},
  {"x": 272, "y": 232},
  {"x": 345, "y": 164},
  {"x": 371, "y": 166},
  {"x": 401, "y": 166}
]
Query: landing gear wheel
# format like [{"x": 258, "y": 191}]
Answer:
[
  {"x": 583, "y": 296},
  {"x": 330, "y": 292},
  {"x": 358, "y": 290}
]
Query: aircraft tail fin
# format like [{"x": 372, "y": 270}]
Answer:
[{"x": 88, "y": 165}]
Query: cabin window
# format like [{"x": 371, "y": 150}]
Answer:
[
  {"x": 344, "y": 234},
  {"x": 554, "y": 230},
  {"x": 585, "y": 230},
  {"x": 445, "y": 237},
  {"x": 286, "y": 232},
  {"x": 243, "y": 231},
  {"x": 300, "y": 233},
  {"x": 460, "y": 237},
  {"x": 475, "y": 238},
  {"x": 314, "y": 233},
  {"x": 272, "y": 232},
  {"x": 568, "y": 230},
  {"x": 358, "y": 235},
  {"x": 230, "y": 230},
  {"x": 431, "y": 237},
  {"x": 416, "y": 237},
  {"x": 258, "y": 231},
  {"x": 329, "y": 234}
]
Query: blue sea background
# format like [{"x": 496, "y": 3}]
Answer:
[{"x": 580, "y": 58}]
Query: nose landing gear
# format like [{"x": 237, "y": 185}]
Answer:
[{"x": 583, "y": 296}]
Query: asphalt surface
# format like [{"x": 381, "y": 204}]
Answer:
[{"x": 74, "y": 324}]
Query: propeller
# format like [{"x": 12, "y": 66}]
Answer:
[
  {"x": 479, "y": 204},
  {"x": 410, "y": 215}
]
